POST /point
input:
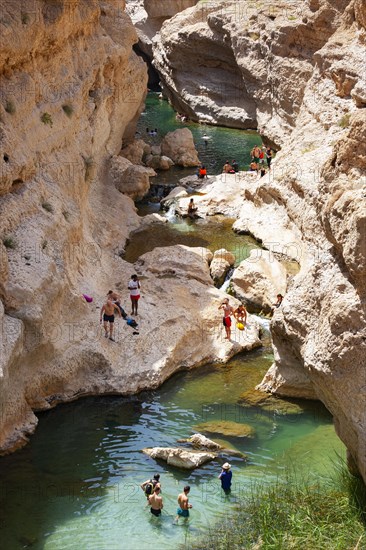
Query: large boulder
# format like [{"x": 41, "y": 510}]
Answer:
[
  {"x": 157, "y": 162},
  {"x": 131, "y": 180},
  {"x": 174, "y": 195},
  {"x": 179, "y": 147},
  {"x": 258, "y": 280},
  {"x": 135, "y": 151},
  {"x": 180, "y": 458},
  {"x": 158, "y": 9},
  {"x": 199, "y": 441},
  {"x": 222, "y": 261}
]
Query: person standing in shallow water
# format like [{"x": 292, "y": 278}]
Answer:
[
  {"x": 184, "y": 506},
  {"x": 225, "y": 477},
  {"x": 156, "y": 502},
  {"x": 228, "y": 311},
  {"x": 134, "y": 288}
]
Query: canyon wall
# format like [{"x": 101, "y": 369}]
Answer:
[
  {"x": 71, "y": 91},
  {"x": 296, "y": 71}
]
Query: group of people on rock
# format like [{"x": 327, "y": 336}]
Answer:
[
  {"x": 152, "y": 490},
  {"x": 230, "y": 168},
  {"x": 259, "y": 157},
  {"x": 113, "y": 306},
  {"x": 240, "y": 314}
]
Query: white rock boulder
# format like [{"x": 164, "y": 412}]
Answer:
[
  {"x": 131, "y": 180},
  {"x": 222, "y": 261},
  {"x": 180, "y": 458},
  {"x": 179, "y": 147},
  {"x": 258, "y": 280}
]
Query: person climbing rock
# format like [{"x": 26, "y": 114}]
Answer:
[
  {"x": 225, "y": 477},
  {"x": 156, "y": 502},
  {"x": 107, "y": 312},
  {"x": 228, "y": 311},
  {"x": 184, "y": 506},
  {"x": 134, "y": 288}
]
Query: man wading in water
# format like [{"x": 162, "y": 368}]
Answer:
[
  {"x": 183, "y": 510},
  {"x": 228, "y": 310},
  {"x": 156, "y": 502}
]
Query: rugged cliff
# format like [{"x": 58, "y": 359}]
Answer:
[
  {"x": 296, "y": 71},
  {"x": 71, "y": 91}
]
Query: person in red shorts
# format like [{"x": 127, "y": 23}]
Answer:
[
  {"x": 228, "y": 311},
  {"x": 134, "y": 288}
]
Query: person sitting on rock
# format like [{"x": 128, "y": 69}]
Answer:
[
  {"x": 235, "y": 165},
  {"x": 227, "y": 167},
  {"x": 202, "y": 172},
  {"x": 192, "y": 208},
  {"x": 254, "y": 167},
  {"x": 277, "y": 304}
]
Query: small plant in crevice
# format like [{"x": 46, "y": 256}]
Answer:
[
  {"x": 25, "y": 18},
  {"x": 44, "y": 244},
  {"x": 10, "y": 107},
  {"x": 89, "y": 164},
  {"x": 344, "y": 122},
  {"x": 9, "y": 242},
  {"x": 66, "y": 215},
  {"x": 47, "y": 119},
  {"x": 47, "y": 206},
  {"x": 68, "y": 109}
]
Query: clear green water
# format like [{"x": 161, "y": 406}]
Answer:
[
  {"x": 75, "y": 486},
  {"x": 224, "y": 143},
  {"x": 214, "y": 233}
]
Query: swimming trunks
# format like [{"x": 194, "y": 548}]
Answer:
[
  {"x": 135, "y": 297},
  {"x": 154, "y": 512},
  {"x": 226, "y": 321},
  {"x": 108, "y": 318},
  {"x": 183, "y": 513}
]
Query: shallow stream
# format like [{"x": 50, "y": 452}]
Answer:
[{"x": 75, "y": 486}]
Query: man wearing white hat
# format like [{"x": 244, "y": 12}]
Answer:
[{"x": 225, "y": 476}]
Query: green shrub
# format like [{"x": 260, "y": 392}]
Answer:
[
  {"x": 68, "y": 110},
  {"x": 47, "y": 119},
  {"x": 9, "y": 242},
  {"x": 344, "y": 122},
  {"x": 10, "y": 107},
  {"x": 25, "y": 18},
  {"x": 47, "y": 206},
  {"x": 290, "y": 513}
]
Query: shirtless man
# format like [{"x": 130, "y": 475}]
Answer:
[
  {"x": 240, "y": 314},
  {"x": 107, "y": 312},
  {"x": 183, "y": 509},
  {"x": 227, "y": 167},
  {"x": 156, "y": 502},
  {"x": 228, "y": 310}
]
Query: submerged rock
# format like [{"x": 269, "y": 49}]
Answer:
[
  {"x": 199, "y": 441},
  {"x": 181, "y": 458},
  {"x": 268, "y": 402},
  {"x": 227, "y": 428}
]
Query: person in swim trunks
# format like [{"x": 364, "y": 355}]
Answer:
[
  {"x": 228, "y": 311},
  {"x": 156, "y": 502},
  {"x": 107, "y": 312},
  {"x": 184, "y": 506}
]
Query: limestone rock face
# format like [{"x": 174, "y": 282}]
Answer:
[
  {"x": 166, "y": 8},
  {"x": 180, "y": 458},
  {"x": 246, "y": 65},
  {"x": 129, "y": 179},
  {"x": 179, "y": 147},
  {"x": 258, "y": 280}
]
